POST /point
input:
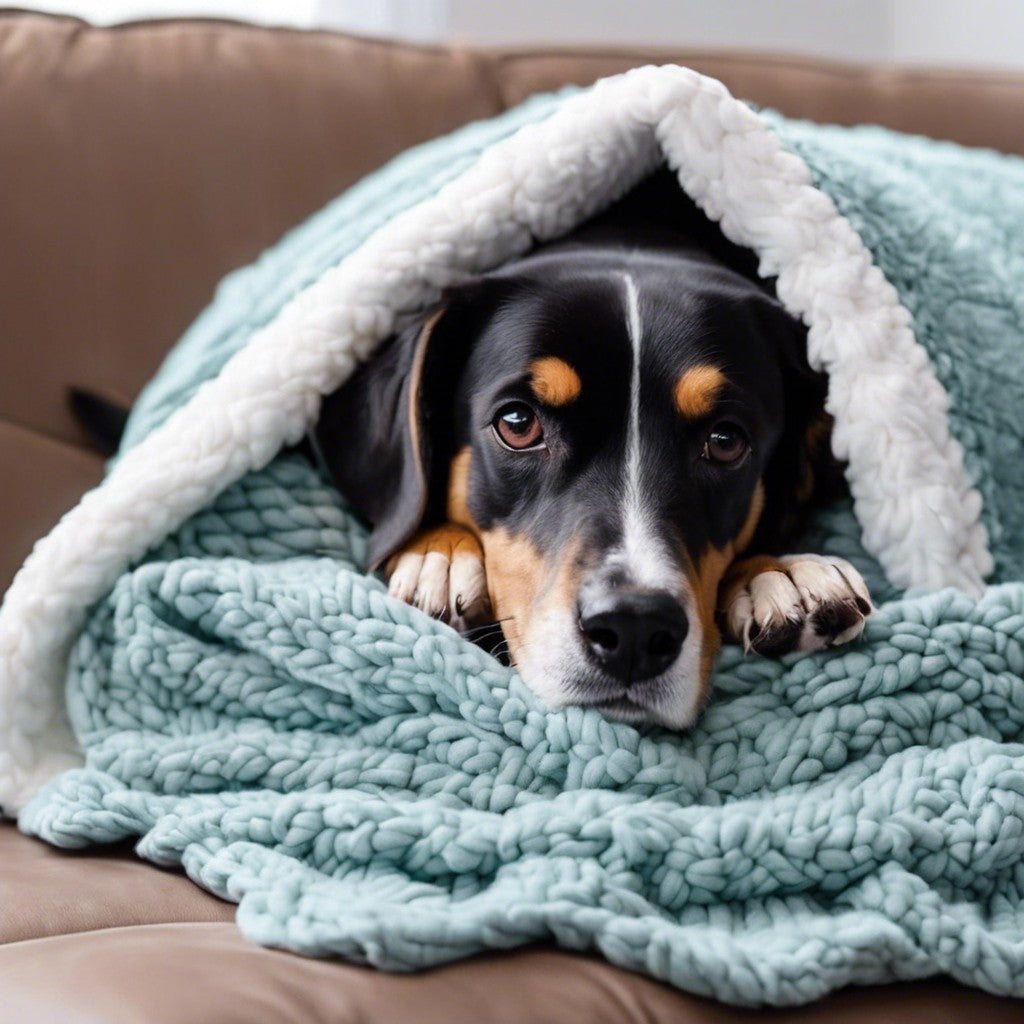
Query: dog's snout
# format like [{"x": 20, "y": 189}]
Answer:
[{"x": 634, "y": 635}]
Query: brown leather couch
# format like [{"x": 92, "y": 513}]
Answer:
[{"x": 139, "y": 164}]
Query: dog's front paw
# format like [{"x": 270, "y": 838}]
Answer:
[
  {"x": 441, "y": 572},
  {"x": 794, "y": 603}
]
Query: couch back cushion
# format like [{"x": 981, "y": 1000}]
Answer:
[{"x": 141, "y": 163}]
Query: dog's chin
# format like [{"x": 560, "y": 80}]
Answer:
[
  {"x": 659, "y": 702},
  {"x": 624, "y": 709},
  {"x": 563, "y": 676}
]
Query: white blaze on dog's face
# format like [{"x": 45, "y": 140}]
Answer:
[{"x": 611, "y": 476}]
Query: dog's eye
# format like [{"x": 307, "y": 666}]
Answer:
[
  {"x": 518, "y": 427},
  {"x": 726, "y": 444}
]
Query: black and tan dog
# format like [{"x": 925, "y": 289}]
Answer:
[{"x": 582, "y": 444}]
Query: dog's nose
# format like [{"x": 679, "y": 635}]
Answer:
[{"x": 634, "y": 634}]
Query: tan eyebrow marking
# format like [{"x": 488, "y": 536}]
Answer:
[
  {"x": 554, "y": 381},
  {"x": 697, "y": 389}
]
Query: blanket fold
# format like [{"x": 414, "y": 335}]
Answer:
[{"x": 196, "y": 657}]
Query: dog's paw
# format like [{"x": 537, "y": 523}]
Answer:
[
  {"x": 441, "y": 572},
  {"x": 794, "y": 603}
]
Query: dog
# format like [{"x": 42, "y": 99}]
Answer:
[{"x": 604, "y": 446}]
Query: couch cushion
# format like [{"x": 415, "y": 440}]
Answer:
[
  {"x": 206, "y": 972},
  {"x": 140, "y": 163},
  {"x": 140, "y": 943},
  {"x": 44, "y": 891},
  {"x": 41, "y": 479},
  {"x": 973, "y": 108}
]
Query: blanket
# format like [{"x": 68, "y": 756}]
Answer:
[{"x": 196, "y": 657}]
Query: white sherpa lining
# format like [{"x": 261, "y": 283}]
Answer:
[{"x": 921, "y": 521}]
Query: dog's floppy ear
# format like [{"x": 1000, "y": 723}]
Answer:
[
  {"x": 803, "y": 472},
  {"x": 387, "y": 435}
]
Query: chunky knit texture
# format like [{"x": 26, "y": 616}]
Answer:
[{"x": 365, "y": 782}]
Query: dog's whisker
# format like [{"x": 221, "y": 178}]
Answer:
[
  {"x": 502, "y": 650},
  {"x": 484, "y": 629},
  {"x": 488, "y": 638},
  {"x": 479, "y": 634}
]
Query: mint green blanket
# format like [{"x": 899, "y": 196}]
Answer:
[{"x": 365, "y": 782}]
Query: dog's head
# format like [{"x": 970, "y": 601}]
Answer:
[{"x": 614, "y": 424}]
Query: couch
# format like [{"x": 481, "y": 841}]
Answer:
[{"x": 140, "y": 163}]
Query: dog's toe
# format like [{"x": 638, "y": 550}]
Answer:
[
  {"x": 768, "y": 616},
  {"x": 467, "y": 586},
  {"x": 432, "y": 590},
  {"x": 405, "y": 575}
]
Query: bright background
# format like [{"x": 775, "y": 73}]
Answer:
[{"x": 966, "y": 33}]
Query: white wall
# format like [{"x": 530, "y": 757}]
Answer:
[
  {"x": 854, "y": 30},
  {"x": 300, "y": 13},
  {"x": 965, "y": 32},
  {"x": 982, "y": 33},
  {"x": 974, "y": 33}
]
